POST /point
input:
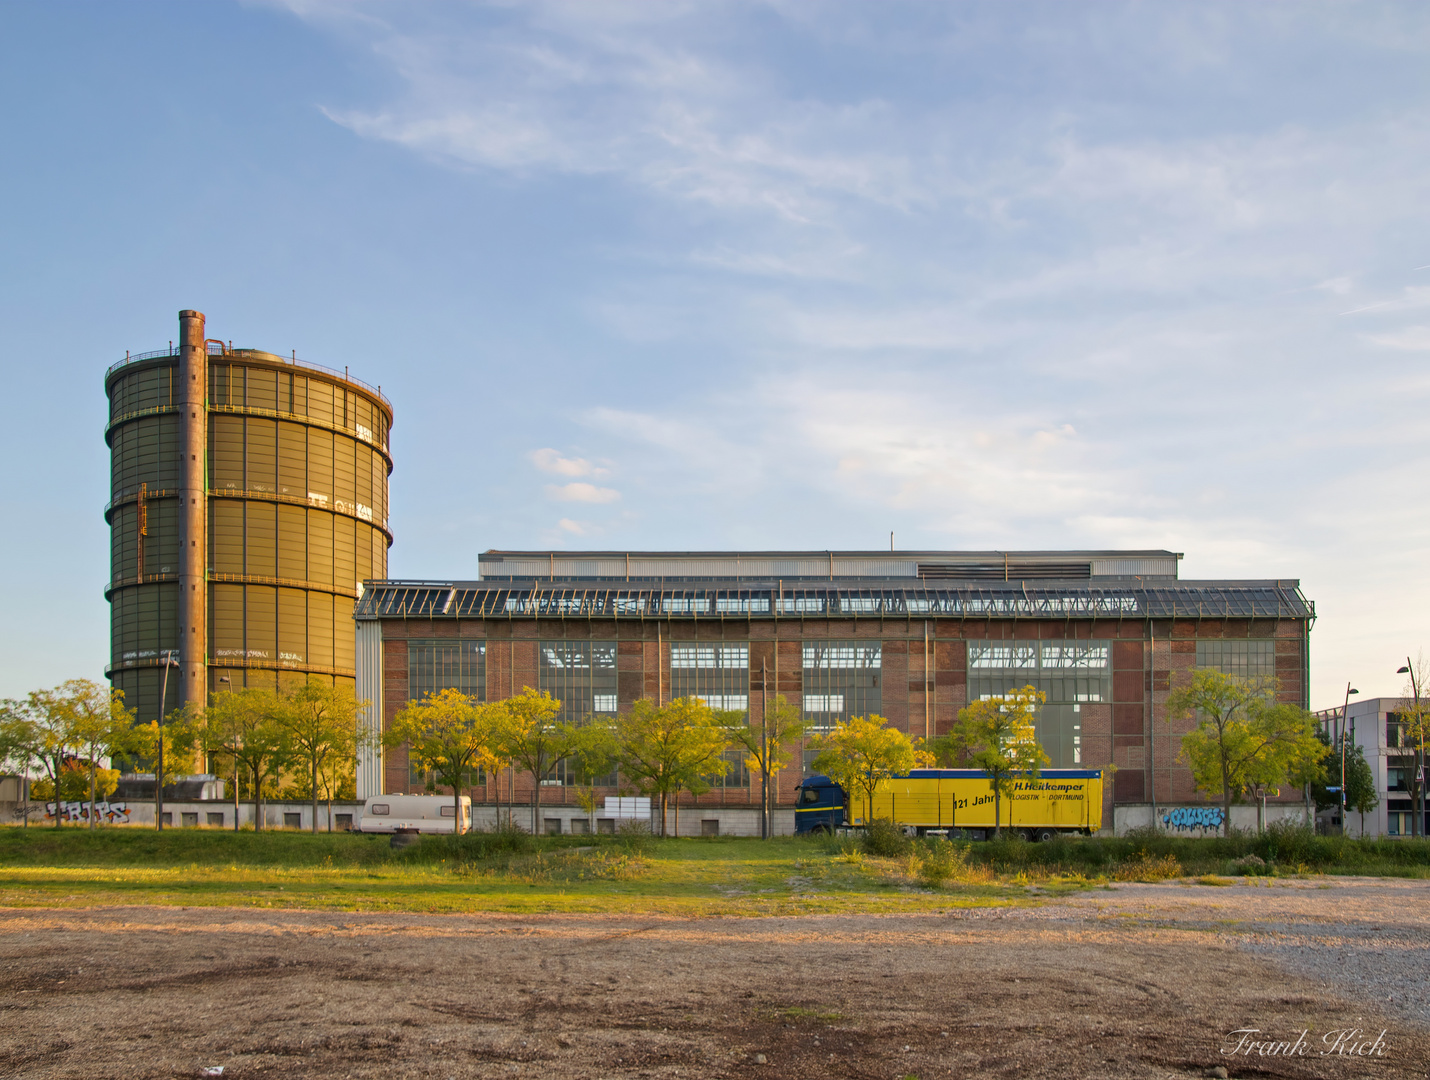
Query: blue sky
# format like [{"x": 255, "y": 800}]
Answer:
[{"x": 703, "y": 275}]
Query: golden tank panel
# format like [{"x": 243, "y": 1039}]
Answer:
[{"x": 293, "y": 518}]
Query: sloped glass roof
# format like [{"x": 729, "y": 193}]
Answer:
[{"x": 676, "y": 600}]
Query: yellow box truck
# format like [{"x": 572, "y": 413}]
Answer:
[{"x": 960, "y": 801}]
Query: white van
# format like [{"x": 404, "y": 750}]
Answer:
[{"x": 423, "y": 813}]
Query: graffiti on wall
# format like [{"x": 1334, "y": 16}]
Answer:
[
  {"x": 111, "y": 813},
  {"x": 1194, "y": 817}
]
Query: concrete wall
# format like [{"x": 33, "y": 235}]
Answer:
[
  {"x": 276, "y": 815},
  {"x": 1200, "y": 819}
]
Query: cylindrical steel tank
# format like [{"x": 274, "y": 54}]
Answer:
[{"x": 248, "y": 505}]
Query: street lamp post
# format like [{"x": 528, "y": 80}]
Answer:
[
  {"x": 166, "y": 657},
  {"x": 1345, "y": 734},
  {"x": 1417, "y": 827},
  {"x": 229, "y": 681}
]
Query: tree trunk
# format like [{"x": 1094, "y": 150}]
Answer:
[
  {"x": 997, "y": 815},
  {"x": 1226, "y": 801},
  {"x": 314, "y": 793},
  {"x": 235, "y": 795},
  {"x": 257, "y": 799},
  {"x": 765, "y": 829},
  {"x": 535, "y": 801},
  {"x": 91, "y": 793}
]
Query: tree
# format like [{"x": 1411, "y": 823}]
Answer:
[
  {"x": 1309, "y": 773},
  {"x": 768, "y": 747},
  {"x": 54, "y": 741},
  {"x": 664, "y": 748},
  {"x": 595, "y": 753},
  {"x": 1415, "y": 738},
  {"x": 102, "y": 727},
  {"x": 997, "y": 735},
  {"x": 861, "y": 753},
  {"x": 1361, "y": 795},
  {"x": 168, "y": 746},
  {"x": 21, "y": 742},
  {"x": 220, "y": 737},
  {"x": 1244, "y": 736},
  {"x": 246, "y": 726},
  {"x": 531, "y": 737},
  {"x": 321, "y": 725},
  {"x": 452, "y": 736}
]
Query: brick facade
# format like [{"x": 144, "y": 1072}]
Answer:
[{"x": 924, "y": 681}]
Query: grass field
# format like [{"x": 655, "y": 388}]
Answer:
[
  {"x": 68, "y": 867},
  {"x": 724, "y": 876}
]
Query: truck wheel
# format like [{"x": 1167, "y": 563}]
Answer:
[{"x": 1044, "y": 834}]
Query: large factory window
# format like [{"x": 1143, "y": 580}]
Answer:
[
  {"x": 1248, "y": 659},
  {"x": 582, "y": 674},
  {"x": 716, "y": 672},
  {"x": 736, "y": 774},
  {"x": 841, "y": 679},
  {"x": 446, "y": 665},
  {"x": 1070, "y": 673}
]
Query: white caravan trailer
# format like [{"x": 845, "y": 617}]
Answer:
[{"x": 422, "y": 813}]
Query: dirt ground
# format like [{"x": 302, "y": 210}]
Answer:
[{"x": 1141, "y": 981}]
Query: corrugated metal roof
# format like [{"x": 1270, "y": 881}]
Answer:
[{"x": 811, "y": 565}]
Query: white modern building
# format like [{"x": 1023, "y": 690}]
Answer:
[{"x": 1375, "y": 726}]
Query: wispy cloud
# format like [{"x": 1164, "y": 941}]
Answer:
[
  {"x": 581, "y": 492},
  {"x": 1117, "y": 281},
  {"x": 548, "y": 460}
]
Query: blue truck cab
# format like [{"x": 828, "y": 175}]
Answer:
[{"x": 819, "y": 806}]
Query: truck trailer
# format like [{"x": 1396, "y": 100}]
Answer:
[{"x": 959, "y": 802}]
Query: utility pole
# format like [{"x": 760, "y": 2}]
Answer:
[
  {"x": 764, "y": 750},
  {"x": 1345, "y": 734},
  {"x": 166, "y": 657},
  {"x": 1417, "y": 827}
]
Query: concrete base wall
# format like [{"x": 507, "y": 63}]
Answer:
[
  {"x": 694, "y": 820},
  {"x": 1199, "y": 819},
  {"x": 215, "y": 815},
  {"x": 567, "y": 820}
]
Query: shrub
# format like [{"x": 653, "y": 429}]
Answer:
[
  {"x": 883, "y": 838},
  {"x": 506, "y": 838},
  {"x": 1249, "y": 864},
  {"x": 1148, "y": 867},
  {"x": 635, "y": 836},
  {"x": 939, "y": 860}
]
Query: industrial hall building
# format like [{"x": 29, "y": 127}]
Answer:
[{"x": 909, "y": 636}]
